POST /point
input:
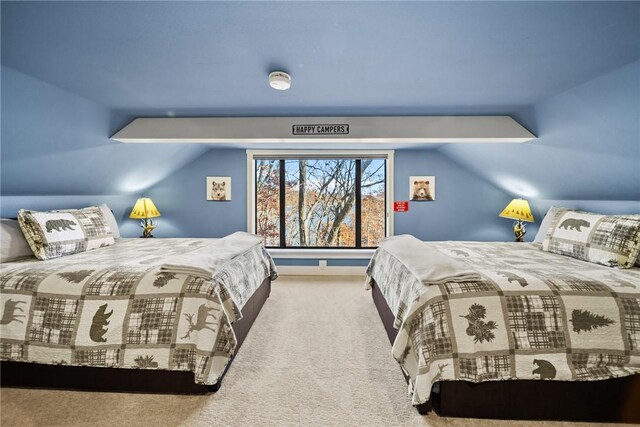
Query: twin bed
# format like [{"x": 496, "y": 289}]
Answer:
[
  {"x": 537, "y": 335},
  {"x": 66, "y": 319}
]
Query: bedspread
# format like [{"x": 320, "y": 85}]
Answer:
[
  {"x": 534, "y": 315},
  {"x": 114, "y": 307}
]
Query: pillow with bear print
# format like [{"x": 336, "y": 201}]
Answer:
[
  {"x": 54, "y": 234},
  {"x": 611, "y": 240}
]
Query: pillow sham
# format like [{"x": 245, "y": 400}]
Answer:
[
  {"x": 111, "y": 220},
  {"x": 545, "y": 224},
  {"x": 611, "y": 240},
  {"x": 54, "y": 234},
  {"x": 13, "y": 245}
]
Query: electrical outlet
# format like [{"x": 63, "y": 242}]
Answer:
[{"x": 323, "y": 264}]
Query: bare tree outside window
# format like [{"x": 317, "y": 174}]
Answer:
[
  {"x": 268, "y": 201},
  {"x": 321, "y": 202},
  {"x": 373, "y": 203}
]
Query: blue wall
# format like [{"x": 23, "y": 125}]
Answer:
[
  {"x": 181, "y": 197},
  {"x": 466, "y": 208}
]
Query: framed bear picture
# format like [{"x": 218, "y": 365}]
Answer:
[
  {"x": 422, "y": 188},
  {"x": 219, "y": 188}
]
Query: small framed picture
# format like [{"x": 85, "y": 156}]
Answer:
[
  {"x": 422, "y": 188},
  {"x": 219, "y": 188}
]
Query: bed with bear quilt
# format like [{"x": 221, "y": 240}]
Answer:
[
  {"x": 533, "y": 315},
  {"x": 119, "y": 307}
]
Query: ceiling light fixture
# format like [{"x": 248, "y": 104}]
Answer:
[{"x": 279, "y": 80}]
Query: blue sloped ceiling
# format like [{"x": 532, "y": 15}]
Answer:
[
  {"x": 588, "y": 147},
  {"x": 56, "y": 144}
]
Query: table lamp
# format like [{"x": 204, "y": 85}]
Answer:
[
  {"x": 145, "y": 209},
  {"x": 519, "y": 210}
]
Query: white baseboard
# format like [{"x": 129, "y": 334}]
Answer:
[{"x": 307, "y": 270}]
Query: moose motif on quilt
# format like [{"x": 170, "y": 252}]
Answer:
[
  {"x": 10, "y": 313},
  {"x": 201, "y": 320}
]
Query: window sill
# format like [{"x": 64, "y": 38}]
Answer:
[{"x": 322, "y": 253}]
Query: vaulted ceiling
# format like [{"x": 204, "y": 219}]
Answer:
[{"x": 180, "y": 58}]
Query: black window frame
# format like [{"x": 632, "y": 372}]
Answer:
[{"x": 358, "y": 198}]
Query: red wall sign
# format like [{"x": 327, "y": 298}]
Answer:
[{"x": 400, "y": 206}]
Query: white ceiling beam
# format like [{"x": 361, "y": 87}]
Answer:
[{"x": 300, "y": 130}]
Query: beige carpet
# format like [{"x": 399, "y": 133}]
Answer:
[{"x": 316, "y": 356}]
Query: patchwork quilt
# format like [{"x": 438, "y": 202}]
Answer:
[
  {"x": 534, "y": 315},
  {"x": 114, "y": 307}
]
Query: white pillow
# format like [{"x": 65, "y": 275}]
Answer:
[
  {"x": 13, "y": 245},
  {"x": 111, "y": 220},
  {"x": 545, "y": 224}
]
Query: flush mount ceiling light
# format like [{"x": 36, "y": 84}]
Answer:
[{"x": 279, "y": 80}]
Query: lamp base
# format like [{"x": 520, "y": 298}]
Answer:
[
  {"x": 519, "y": 231},
  {"x": 147, "y": 227}
]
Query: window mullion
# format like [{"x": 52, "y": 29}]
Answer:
[
  {"x": 358, "y": 204},
  {"x": 283, "y": 241}
]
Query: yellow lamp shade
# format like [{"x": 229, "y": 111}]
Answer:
[
  {"x": 144, "y": 208},
  {"x": 518, "y": 209}
]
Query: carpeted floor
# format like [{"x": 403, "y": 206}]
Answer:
[{"x": 317, "y": 355}]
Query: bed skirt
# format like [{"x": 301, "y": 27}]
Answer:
[
  {"x": 24, "y": 374},
  {"x": 613, "y": 400}
]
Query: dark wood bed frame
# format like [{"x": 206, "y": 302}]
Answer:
[
  {"x": 23, "y": 374},
  {"x": 613, "y": 400}
]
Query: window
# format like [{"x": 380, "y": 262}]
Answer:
[{"x": 320, "y": 199}]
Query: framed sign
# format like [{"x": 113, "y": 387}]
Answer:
[
  {"x": 401, "y": 206},
  {"x": 219, "y": 188},
  {"x": 422, "y": 188},
  {"x": 325, "y": 129}
]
